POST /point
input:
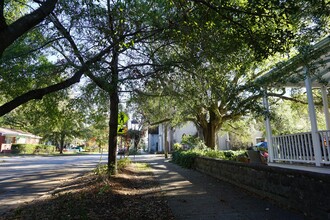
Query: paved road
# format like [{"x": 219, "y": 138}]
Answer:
[{"x": 24, "y": 178}]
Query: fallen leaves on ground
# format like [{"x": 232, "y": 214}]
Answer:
[{"x": 132, "y": 194}]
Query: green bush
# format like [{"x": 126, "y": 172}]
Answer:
[
  {"x": 32, "y": 149},
  {"x": 214, "y": 154},
  {"x": 184, "y": 158},
  {"x": 193, "y": 142},
  {"x": 122, "y": 163},
  {"x": 177, "y": 147},
  {"x": 187, "y": 158},
  {"x": 101, "y": 169}
]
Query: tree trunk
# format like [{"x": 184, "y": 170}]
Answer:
[
  {"x": 113, "y": 125},
  {"x": 209, "y": 135},
  {"x": 62, "y": 138},
  {"x": 210, "y": 130},
  {"x": 113, "y": 122},
  {"x": 136, "y": 140}
]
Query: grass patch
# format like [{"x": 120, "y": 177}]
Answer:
[
  {"x": 142, "y": 166},
  {"x": 122, "y": 163},
  {"x": 102, "y": 169}
]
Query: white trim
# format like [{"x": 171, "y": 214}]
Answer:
[{"x": 312, "y": 117}]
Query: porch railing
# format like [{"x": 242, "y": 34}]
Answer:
[{"x": 299, "y": 147}]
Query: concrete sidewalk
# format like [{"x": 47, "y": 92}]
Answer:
[{"x": 193, "y": 195}]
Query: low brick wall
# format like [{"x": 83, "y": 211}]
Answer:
[{"x": 304, "y": 191}]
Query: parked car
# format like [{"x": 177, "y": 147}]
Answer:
[{"x": 262, "y": 144}]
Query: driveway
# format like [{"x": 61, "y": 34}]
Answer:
[{"x": 24, "y": 178}]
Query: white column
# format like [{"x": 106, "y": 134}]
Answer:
[
  {"x": 312, "y": 117},
  {"x": 268, "y": 128},
  {"x": 161, "y": 137},
  {"x": 325, "y": 106}
]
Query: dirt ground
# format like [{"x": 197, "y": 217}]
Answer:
[{"x": 132, "y": 194}]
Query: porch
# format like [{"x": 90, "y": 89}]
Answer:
[{"x": 310, "y": 69}]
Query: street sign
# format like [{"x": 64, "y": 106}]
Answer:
[
  {"x": 121, "y": 129},
  {"x": 122, "y": 118}
]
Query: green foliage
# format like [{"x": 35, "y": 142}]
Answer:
[
  {"x": 184, "y": 158},
  {"x": 105, "y": 188},
  {"x": 142, "y": 166},
  {"x": 187, "y": 158},
  {"x": 122, "y": 163},
  {"x": 177, "y": 147},
  {"x": 32, "y": 149},
  {"x": 101, "y": 170},
  {"x": 214, "y": 154},
  {"x": 193, "y": 142}
]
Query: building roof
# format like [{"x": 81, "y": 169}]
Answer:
[
  {"x": 12, "y": 132},
  {"x": 291, "y": 73}
]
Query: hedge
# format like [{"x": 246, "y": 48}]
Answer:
[
  {"x": 32, "y": 149},
  {"x": 186, "y": 158}
]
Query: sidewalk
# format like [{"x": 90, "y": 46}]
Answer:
[{"x": 193, "y": 195}]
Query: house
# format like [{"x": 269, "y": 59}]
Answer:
[
  {"x": 309, "y": 69},
  {"x": 10, "y": 136},
  {"x": 159, "y": 135}
]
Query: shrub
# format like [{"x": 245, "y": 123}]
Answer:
[
  {"x": 192, "y": 142},
  {"x": 229, "y": 154},
  {"x": 177, "y": 147},
  {"x": 122, "y": 163},
  {"x": 185, "y": 158},
  {"x": 214, "y": 154},
  {"x": 101, "y": 169},
  {"x": 32, "y": 149}
]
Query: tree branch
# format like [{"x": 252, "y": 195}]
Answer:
[
  {"x": 39, "y": 93},
  {"x": 288, "y": 98},
  {"x": 76, "y": 51},
  {"x": 161, "y": 121},
  {"x": 37, "y": 48},
  {"x": 9, "y": 34},
  {"x": 3, "y": 23}
]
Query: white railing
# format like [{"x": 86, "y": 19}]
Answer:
[
  {"x": 299, "y": 147},
  {"x": 293, "y": 147}
]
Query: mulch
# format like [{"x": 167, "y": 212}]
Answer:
[{"x": 131, "y": 194}]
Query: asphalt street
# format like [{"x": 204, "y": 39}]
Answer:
[{"x": 24, "y": 178}]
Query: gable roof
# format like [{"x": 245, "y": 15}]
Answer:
[{"x": 12, "y": 132}]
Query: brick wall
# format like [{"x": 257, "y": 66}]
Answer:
[{"x": 304, "y": 191}]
